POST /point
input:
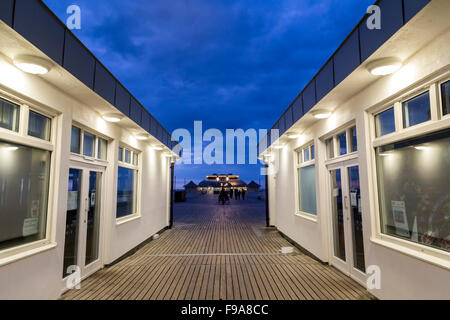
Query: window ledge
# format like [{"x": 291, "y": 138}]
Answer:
[
  {"x": 342, "y": 158},
  {"x": 126, "y": 219},
  {"x": 412, "y": 252},
  {"x": 26, "y": 253},
  {"x": 306, "y": 216}
]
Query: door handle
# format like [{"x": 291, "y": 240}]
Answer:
[
  {"x": 86, "y": 209},
  {"x": 346, "y": 202}
]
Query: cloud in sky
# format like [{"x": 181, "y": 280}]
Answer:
[{"x": 232, "y": 64}]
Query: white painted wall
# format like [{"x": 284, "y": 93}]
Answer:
[
  {"x": 39, "y": 276},
  {"x": 403, "y": 276}
]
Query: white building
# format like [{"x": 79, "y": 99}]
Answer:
[
  {"x": 85, "y": 170},
  {"x": 360, "y": 176}
]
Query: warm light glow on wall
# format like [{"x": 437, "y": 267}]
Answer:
[
  {"x": 102, "y": 125},
  {"x": 13, "y": 77},
  {"x": 402, "y": 78},
  {"x": 11, "y": 148}
]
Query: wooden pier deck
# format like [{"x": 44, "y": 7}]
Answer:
[{"x": 218, "y": 252}]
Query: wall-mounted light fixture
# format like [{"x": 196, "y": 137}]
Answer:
[
  {"x": 293, "y": 135},
  {"x": 142, "y": 137},
  {"x": 32, "y": 64},
  {"x": 321, "y": 114},
  {"x": 384, "y": 66},
  {"x": 113, "y": 117},
  {"x": 158, "y": 148}
]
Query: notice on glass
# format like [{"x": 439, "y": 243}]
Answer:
[
  {"x": 92, "y": 199},
  {"x": 72, "y": 201},
  {"x": 30, "y": 227},
  {"x": 400, "y": 217},
  {"x": 353, "y": 199}
]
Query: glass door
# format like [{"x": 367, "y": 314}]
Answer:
[
  {"x": 72, "y": 220},
  {"x": 346, "y": 219},
  {"x": 83, "y": 221}
]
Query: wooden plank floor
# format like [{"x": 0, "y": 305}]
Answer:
[{"x": 218, "y": 252}]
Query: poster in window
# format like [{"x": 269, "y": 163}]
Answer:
[
  {"x": 400, "y": 218},
  {"x": 30, "y": 227},
  {"x": 353, "y": 199},
  {"x": 92, "y": 199},
  {"x": 72, "y": 201}
]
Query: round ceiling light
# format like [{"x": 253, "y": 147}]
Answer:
[
  {"x": 293, "y": 135},
  {"x": 158, "y": 148},
  {"x": 142, "y": 137},
  {"x": 321, "y": 114},
  {"x": 32, "y": 64},
  {"x": 113, "y": 117},
  {"x": 384, "y": 67}
]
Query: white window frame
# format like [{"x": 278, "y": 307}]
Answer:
[
  {"x": 43, "y": 113},
  {"x": 441, "y": 104},
  {"x": 413, "y": 95},
  {"x": 438, "y": 122},
  {"x": 21, "y": 137},
  {"x": 335, "y": 137},
  {"x": 396, "y": 117},
  {"x": 138, "y": 183},
  {"x": 94, "y": 159},
  {"x": 298, "y": 164}
]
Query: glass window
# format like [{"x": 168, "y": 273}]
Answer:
[
  {"x": 88, "y": 144},
  {"x": 353, "y": 140},
  {"x": 120, "y": 154},
  {"x": 126, "y": 192},
  {"x": 306, "y": 155},
  {"x": 313, "y": 153},
  {"x": 385, "y": 122},
  {"x": 24, "y": 185},
  {"x": 330, "y": 148},
  {"x": 342, "y": 143},
  {"x": 75, "y": 140},
  {"x": 307, "y": 189},
  {"x": 445, "y": 92},
  {"x": 39, "y": 126},
  {"x": 414, "y": 183},
  {"x": 102, "y": 149},
  {"x": 9, "y": 115},
  {"x": 416, "y": 110},
  {"x": 127, "y": 156}
]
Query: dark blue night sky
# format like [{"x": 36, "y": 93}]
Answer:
[{"x": 232, "y": 64}]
